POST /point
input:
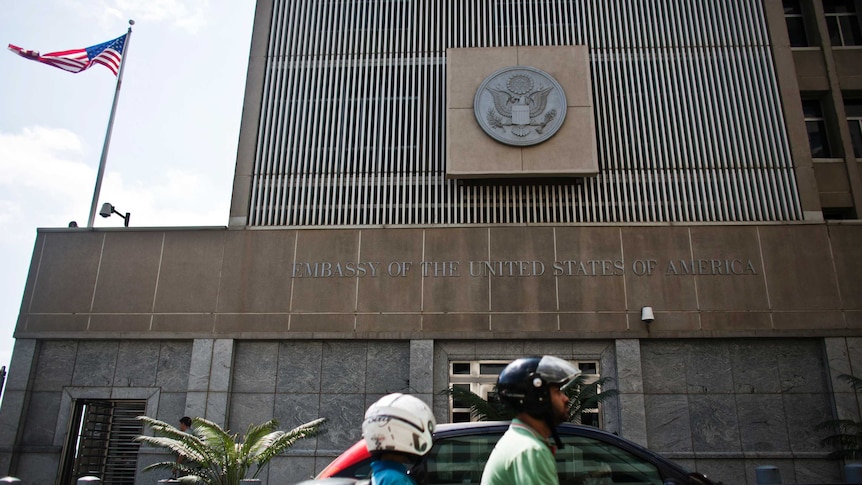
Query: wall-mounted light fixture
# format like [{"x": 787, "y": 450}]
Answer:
[
  {"x": 108, "y": 209},
  {"x": 647, "y": 315}
]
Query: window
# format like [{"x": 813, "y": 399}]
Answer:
[
  {"x": 101, "y": 441},
  {"x": 480, "y": 377},
  {"x": 795, "y": 24},
  {"x": 815, "y": 123},
  {"x": 853, "y": 108},
  {"x": 842, "y": 22}
]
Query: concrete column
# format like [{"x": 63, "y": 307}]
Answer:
[
  {"x": 209, "y": 379},
  {"x": 422, "y": 370},
  {"x": 15, "y": 401},
  {"x": 629, "y": 381}
]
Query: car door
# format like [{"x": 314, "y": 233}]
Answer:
[{"x": 582, "y": 461}]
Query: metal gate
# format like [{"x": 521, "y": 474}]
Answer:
[{"x": 102, "y": 441}]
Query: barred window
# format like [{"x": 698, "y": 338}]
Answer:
[{"x": 480, "y": 378}]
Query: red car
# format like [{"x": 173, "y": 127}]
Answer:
[{"x": 590, "y": 457}]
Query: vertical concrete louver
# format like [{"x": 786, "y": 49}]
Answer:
[{"x": 689, "y": 121}]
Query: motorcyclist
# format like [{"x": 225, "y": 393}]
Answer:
[
  {"x": 534, "y": 388},
  {"x": 397, "y": 430}
]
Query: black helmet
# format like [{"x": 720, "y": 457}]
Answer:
[{"x": 525, "y": 384}]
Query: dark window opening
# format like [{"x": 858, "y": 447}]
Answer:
[
  {"x": 853, "y": 109},
  {"x": 842, "y": 22},
  {"x": 839, "y": 213},
  {"x": 815, "y": 123},
  {"x": 795, "y": 24}
]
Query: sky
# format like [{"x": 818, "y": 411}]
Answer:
[{"x": 173, "y": 145}]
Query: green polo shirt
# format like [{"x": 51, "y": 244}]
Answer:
[{"x": 521, "y": 457}]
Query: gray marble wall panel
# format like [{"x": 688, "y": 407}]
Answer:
[
  {"x": 344, "y": 367},
  {"x": 292, "y": 469},
  {"x": 292, "y": 410},
  {"x": 55, "y": 365},
  {"x": 749, "y": 358},
  {"x": 737, "y": 398},
  {"x": 41, "y": 418},
  {"x": 95, "y": 363},
  {"x": 200, "y": 364},
  {"x": 299, "y": 366},
  {"x": 39, "y": 468},
  {"x": 344, "y": 414},
  {"x": 668, "y": 422},
  {"x": 714, "y": 423},
  {"x": 708, "y": 368},
  {"x": 247, "y": 409},
  {"x": 137, "y": 363},
  {"x": 804, "y": 412},
  {"x": 388, "y": 367},
  {"x": 664, "y": 367},
  {"x": 174, "y": 363},
  {"x": 629, "y": 382},
  {"x": 255, "y": 366},
  {"x": 172, "y": 406},
  {"x": 421, "y": 376}
]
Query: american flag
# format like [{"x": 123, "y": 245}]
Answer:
[{"x": 108, "y": 54}]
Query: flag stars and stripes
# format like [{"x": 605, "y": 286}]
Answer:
[{"x": 108, "y": 54}]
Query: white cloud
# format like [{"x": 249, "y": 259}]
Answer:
[
  {"x": 43, "y": 180},
  {"x": 188, "y": 15},
  {"x": 170, "y": 198}
]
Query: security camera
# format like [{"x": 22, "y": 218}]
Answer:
[
  {"x": 647, "y": 315},
  {"x": 106, "y": 209}
]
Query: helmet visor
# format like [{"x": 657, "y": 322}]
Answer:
[{"x": 557, "y": 371}]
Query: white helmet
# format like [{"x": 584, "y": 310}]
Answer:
[{"x": 399, "y": 422}]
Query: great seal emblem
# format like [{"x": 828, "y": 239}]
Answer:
[{"x": 520, "y": 106}]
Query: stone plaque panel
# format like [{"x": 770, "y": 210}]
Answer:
[
  {"x": 128, "y": 272},
  {"x": 448, "y": 286},
  {"x": 190, "y": 271},
  {"x": 63, "y": 260},
  {"x": 848, "y": 263},
  {"x": 731, "y": 283},
  {"x": 256, "y": 271},
  {"x": 315, "y": 287},
  {"x": 590, "y": 268},
  {"x": 397, "y": 285},
  {"x": 518, "y": 270},
  {"x": 649, "y": 283},
  {"x": 468, "y": 151},
  {"x": 799, "y": 267}
]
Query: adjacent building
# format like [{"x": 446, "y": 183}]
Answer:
[{"x": 425, "y": 191}]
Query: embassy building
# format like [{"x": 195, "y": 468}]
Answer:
[{"x": 425, "y": 191}]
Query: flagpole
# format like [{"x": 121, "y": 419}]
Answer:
[{"x": 107, "y": 143}]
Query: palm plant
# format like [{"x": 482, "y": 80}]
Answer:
[
  {"x": 846, "y": 441},
  {"x": 213, "y": 456},
  {"x": 583, "y": 395}
]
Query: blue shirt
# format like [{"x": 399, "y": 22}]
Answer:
[{"x": 388, "y": 472}]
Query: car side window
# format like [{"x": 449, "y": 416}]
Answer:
[
  {"x": 587, "y": 461},
  {"x": 459, "y": 459}
]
